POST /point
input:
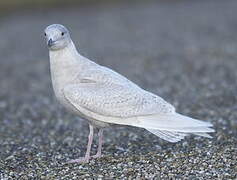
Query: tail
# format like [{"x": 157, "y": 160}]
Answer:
[
  {"x": 174, "y": 136},
  {"x": 174, "y": 127}
]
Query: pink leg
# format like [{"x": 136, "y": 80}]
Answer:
[
  {"x": 98, "y": 154},
  {"x": 88, "y": 150}
]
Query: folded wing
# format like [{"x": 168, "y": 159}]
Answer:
[
  {"x": 116, "y": 100},
  {"x": 128, "y": 104}
]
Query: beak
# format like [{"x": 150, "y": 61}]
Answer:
[{"x": 50, "y": 43}]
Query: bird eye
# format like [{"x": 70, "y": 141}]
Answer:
[
  {"x": 45, "y": 34},
  {"x": 62, "y": 33}
]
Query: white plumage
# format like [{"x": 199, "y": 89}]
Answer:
[{"x": 105, "y": 97}]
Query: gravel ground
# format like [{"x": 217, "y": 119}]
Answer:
[{"x": 185, "y": 51}]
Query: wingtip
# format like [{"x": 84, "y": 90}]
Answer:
[{"x": 203, "y": 135}]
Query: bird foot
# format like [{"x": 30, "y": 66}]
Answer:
[
  {"x": 79, "y": 160},
  {"x": 96, "y": 156}
]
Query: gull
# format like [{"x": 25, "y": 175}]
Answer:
[{"x": 104, "y": 97}]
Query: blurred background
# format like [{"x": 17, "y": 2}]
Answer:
[{"x": 183, "y": 50}]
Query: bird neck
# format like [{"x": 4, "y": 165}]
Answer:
[
  {"x": 68, "y": 54},
  {"x": 65, "y": 64}
]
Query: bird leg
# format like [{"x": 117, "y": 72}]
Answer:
[
  {"x": 88, "y": 150},
  {"x": 98, "y": 154}
]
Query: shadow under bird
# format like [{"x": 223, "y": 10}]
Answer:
[{"x": 104, "y": 97}]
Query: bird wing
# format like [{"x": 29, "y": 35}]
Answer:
[
  {"x": 115, "y": 100},
  {"x": 104, "y": 91},
  {"x": 107, "y": 97}
]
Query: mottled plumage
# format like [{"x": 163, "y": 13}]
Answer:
[{"x": 105, "y": 97}]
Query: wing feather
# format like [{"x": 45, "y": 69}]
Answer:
[
  {"x": 116, "y": 100},
  {"x": 106, "y": 96}
]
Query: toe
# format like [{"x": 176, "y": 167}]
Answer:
[
  {"x": 79, "y": 160},
  {"x": 96, "y": 156}
]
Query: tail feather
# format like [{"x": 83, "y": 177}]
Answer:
[
  {"x": 174, "y": 136},
  {"x": 175, "y": 123},
  {"x": 168, "y": 136},
  {"x": 203, "y": 135},
  {"x": 174, "y": 127},
  {"x": 190, "y": 129}
]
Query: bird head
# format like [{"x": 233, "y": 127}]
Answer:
[{"x": 57, "y": 36}]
